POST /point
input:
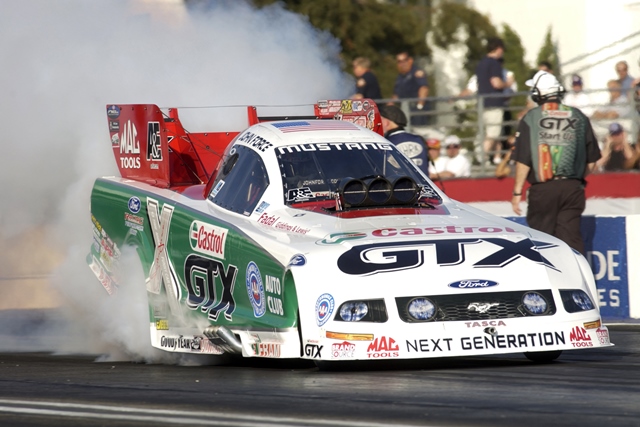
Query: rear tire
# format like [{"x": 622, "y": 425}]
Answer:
[{"x": 543, "y": 356}]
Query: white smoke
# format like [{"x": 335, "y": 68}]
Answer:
[{"x": 64, "y": 61}]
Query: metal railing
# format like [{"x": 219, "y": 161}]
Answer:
[{"x": 463, "y": 116}]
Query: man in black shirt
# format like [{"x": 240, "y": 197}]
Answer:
[
  {"x": 367, "y": 83},
  {"x": 491, "y": 82}
]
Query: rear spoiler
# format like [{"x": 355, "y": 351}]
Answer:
[{"x": 152, "y": 146}]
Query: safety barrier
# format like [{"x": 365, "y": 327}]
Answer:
[{"x": 463, "y": 116}]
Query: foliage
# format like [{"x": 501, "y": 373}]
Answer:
[
  {"x": 368, "y": 28},
  {"x": 514, "y": 61},
  {"x": 549, "y": 52},
  {"x": 457, "y": 23}
]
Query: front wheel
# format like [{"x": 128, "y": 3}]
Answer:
[{"x": 543, "y": 356}]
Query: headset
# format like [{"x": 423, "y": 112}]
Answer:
[{"x": 538, "y": 98}]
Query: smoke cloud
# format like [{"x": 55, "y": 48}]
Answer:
[{"x": 63, "y": 62}]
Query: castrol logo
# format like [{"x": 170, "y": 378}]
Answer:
[{"x": 208, "y": 239}]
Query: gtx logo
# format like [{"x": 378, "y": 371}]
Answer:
[
  {"x": 482, "y": 307},
  {"x": 393, "y": 256},
  {"x": 201, "y": 277}
]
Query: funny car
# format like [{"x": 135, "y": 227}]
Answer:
[{"x": 312, "y": 236}]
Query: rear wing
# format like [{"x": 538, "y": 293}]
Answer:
[{"x": 152, "y": 146}]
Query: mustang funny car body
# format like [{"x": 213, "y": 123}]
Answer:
[{"x": 314, "y": 237}]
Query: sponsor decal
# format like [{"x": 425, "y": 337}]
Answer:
[
  {"x": 162, "y": 271},
  {"x": 557, "y": 113},
  {"x": 273, "y": 287},
  {"x": 579, "y": 337},
  {"x": 299, "y": 194},
  {"x": 324, "y": 308},
  {"x": 472, "y": 284},
  {"x": 266, "y": 349},
  {"x": 103, "y": 276},
  {"x": 482, "y": 307},
  {"x": 449, "y": 229},
  {"x": 356, "y": 105},
  {"x": 196, "y": 344},
  {"x": 346, "y": 106},
  {"x": 335, "y": 146},
  {"x": 255, "y": 141},
  {"x": 208, "y": 239},
  {"x": 217, "y": 188},
  {"x": 134, "y": 222},
  {"x": 603, "y": 336},
  {"x": 129, "y": 144},
  {"x": 313, "y": 350},
  {"x": 485, "y": 323},
  {"x": 262, "y": 207},
  {"x": 113, "y": 111},
  {"x": 394, "y": 256},
  {"x": 202, "y": 276},
  {"x": 429, "y": 345},
  {"x": 338, "y": 238},
  {"x": 134, "y": 205},
  {"x": 557, "y": 131},
  {"x": 154, "y": 152},
  {"x": 283, "y": 226},
  {"x": 162, "y": 325},
  {"x": 114, "y": 126},
  {"x": 343, "y": 350},
  {"x": 115, "y": 139},
  {"x": 297, "y": 260},
  {"x": 255, "y": 290},
  {"x": 530, "y": 340},
  {"x": 383, "y": 347},
  {"x": 266, "y": 219}
]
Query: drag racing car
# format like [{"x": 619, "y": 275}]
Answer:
[{"x": 312, "y": 236}]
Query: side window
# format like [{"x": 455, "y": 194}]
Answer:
[{"x": 241, "y": 181}]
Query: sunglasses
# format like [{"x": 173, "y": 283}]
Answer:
[{"x": 453, "y": 146}]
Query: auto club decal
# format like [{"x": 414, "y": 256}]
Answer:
[
  {"x": 255, "y": 289},
  {"x": 394, "y": 256}
]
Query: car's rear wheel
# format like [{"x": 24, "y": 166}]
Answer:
[{"x": 543, "y": 356}]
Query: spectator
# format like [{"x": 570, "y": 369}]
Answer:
[
  {"x": 411, "y": 83},
  {"x": 554, "y": 159},
  {"x": 617, "y": 154},
  {"x": 491, "y": 82},
  {"x": 506, "y": 165},
  {"x": 577, "y": 98},
  {"x": 626, "y": 81},
  {"x": 367, "y": 83},
  {"x": 453, "y": 164},
  {"x": 545, "y": 66},
  {"x": 618, "y": 106},
  {"x": 413, "y": 146}
]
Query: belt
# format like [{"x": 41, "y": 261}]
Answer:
[{"x": 559, "y": 177}]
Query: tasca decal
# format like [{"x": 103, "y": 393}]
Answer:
[
  {"x": 201, "y": 277},
  {"x": 394, "y": 256},
  {"x": 161, "y": 269}
]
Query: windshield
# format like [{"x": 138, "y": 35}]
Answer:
[{"x": 314, "y": 171}]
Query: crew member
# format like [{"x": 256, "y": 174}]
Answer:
[
  {"x": 411, "y": 145},
  {"x": 555, "y": 149}
]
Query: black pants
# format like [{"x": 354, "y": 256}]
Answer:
[{"x": 555, "y": 207}]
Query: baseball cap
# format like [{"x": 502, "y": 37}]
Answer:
[
  {"x": 451, "y": 140},
  {"x": 393, "y": 113},
  {"x": 433, "y": 143},
  {"x": 615, "y": 129},
  {"x": 576, "y": 80},
  {"x": 545, "y": 82}
]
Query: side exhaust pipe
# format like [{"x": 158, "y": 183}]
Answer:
[{"x": 229, "y": 341}]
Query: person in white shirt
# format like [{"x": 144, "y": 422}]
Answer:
[
  {"x": 452, "y": 164},
  {"x": 577, "y": 98}
]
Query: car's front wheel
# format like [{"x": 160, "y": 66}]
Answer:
[{"x": 543, "y": 356}]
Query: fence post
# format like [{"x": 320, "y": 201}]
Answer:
[{"x": 478, "y": 149}]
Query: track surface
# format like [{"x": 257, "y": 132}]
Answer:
[{"x": 584, "y": 387}]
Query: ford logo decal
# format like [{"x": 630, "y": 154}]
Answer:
[{"x": 473, "y": 284}]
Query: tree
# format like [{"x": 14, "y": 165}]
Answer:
[
  {"x": 549, "y": 52},
  {"x": 514, "y": 60},
  {"x": 368, "y": 28}
]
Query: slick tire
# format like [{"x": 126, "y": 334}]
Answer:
[{"x": 543, "y": 356}]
